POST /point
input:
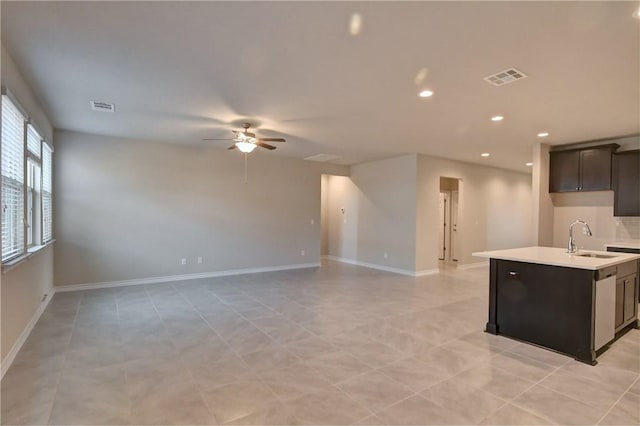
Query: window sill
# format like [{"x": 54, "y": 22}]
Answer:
[{"x": 32, "y": 251}]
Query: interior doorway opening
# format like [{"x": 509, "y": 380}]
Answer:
[{"x": 448, "y": 231}]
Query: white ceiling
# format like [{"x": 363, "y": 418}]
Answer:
[{"x": 182, "y": 71}]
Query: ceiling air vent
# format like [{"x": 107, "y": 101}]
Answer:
[
  {"x": 102, "y": 106},
  {"x": 323, "y": 158},
  {"x": 505, "y": 77}
]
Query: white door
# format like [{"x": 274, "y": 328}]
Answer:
[
  {"x": 441, "y": 204},
  {"x": 454, "y": 226},
  {"x": 443, "y": 232}
]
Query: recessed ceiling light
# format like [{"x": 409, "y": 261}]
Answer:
[
  {"x": 529, "y": 164},
  {"x": 497, "y": 118},
  {"x": 426, "y": 94},
  {"x": 485, "y": 154},
  {"x": 543, "y": 134}
]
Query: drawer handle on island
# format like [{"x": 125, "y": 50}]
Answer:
[{"x": 514, "y": 274}]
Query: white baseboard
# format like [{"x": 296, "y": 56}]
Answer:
[
  {"x": 11, "y": 355},
  {"x": 472, "y": 265},
  {"x": 382, "y": 267},
  {"x": 425, "y": 272},
  {"x": 169, "y": 278}
]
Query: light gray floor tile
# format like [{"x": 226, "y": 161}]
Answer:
[
  {"x": 213, "y": 374},
  {"x": 338, "y": 366},
  {"x": 310, "y": 347},
  {"x": 273, "y": 348},
  {"x": 238, "y": 399},
  {"x": 374, "y": 390},
  {"x": 293, "y": 382},
  {"x": 521, "y": 366},
  {"x": 597, "y": 394},
  {"x": 416, "y": 410},
  {"x": 413, "y": 373},
  {"x": 327, "y": 407},
  {"x": 372, "y": 420},
  {"x": 169, "y": 401},
  {"x": 274, "y": 414},
  {"x": 272, "y": 358},
  {"x": 625, "y": 412},
  {"x": 492, "y": 379},
  {"x": 545, "y": 356},
  {"x": 511, "y": 415},
  {"x": 559, "y": 408},
  {"x": 27, "y": 395},
  {"x": 612, "y": 376},
  {"x": 96, "y": 396},
  {"x": 472, "y": 403}
]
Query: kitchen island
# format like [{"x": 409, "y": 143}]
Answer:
[{"x": 561, "y": 301}]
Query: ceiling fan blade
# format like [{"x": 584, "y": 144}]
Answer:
[
  {"x": 265, "y": 145},
  {"x": 271, "y": 140},
  {"x": 232, "y": 147}
]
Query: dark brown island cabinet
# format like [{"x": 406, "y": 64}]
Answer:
[
  {"x": 581, "y": 169},
  {"x": 575, "y": 304},
  {"x": 626, "y": 183}
]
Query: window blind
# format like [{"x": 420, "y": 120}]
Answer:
[
  {"x": 12, "y": 182},
  {"x": 47, "y": 189},
  {"x": 33, "y": 141}
]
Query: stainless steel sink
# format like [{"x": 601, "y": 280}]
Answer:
[{"x": 596, "y": 255}]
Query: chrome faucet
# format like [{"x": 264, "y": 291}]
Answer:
[{"x": 571, "y": 247}]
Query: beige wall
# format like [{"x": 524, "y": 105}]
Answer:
[
  {"x": 23, "y": 287},
  {"x": 543, "y": 213},
  {"x": 130, "y": 209},
  {"x": 391, "y": 206},
  {"x": 324, "y": 215},
  {"x": 596, "y": 208},
  {"x": 379, "y": 213},
  {"x": 494, "y": 209}
]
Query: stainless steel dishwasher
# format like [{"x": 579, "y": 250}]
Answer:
[{"x": 605, "y": 309}]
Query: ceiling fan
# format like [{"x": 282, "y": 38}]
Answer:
[{"x": 247, "y": 141}]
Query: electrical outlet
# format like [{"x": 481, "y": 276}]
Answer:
[
  {"x": 199, "y": 259},
  {"x": 301, "y": 252},
  {"x": 313, "y": 221},
  {"x": 386, "y": 256},
  {"x": 183, "y": 261}
]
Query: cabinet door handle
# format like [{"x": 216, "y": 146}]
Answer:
[{"x": 513, "y": 274}]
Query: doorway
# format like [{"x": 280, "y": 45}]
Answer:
[{"x": 448, "y": 232}]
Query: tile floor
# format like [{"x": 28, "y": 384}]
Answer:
[{"x": 335, "y": 345}]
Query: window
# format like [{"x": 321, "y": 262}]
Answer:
[
  {"x": 47, "y": 189},
  {"x": 26, "y": 184},
  {"x": 34, "y": 148},
  {"x": 13, "y": 243}
]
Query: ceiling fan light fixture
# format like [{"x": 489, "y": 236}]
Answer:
[{"x": 246, "y": 147}]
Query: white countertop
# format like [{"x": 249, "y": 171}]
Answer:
[
  {"x": 559, "y": 257},
  {"x": 631, "y": 244}
]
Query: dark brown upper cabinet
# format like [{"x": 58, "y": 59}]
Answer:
[
  {"x": 626, "y": 183},
  {"x": 584, "y": 169}
]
